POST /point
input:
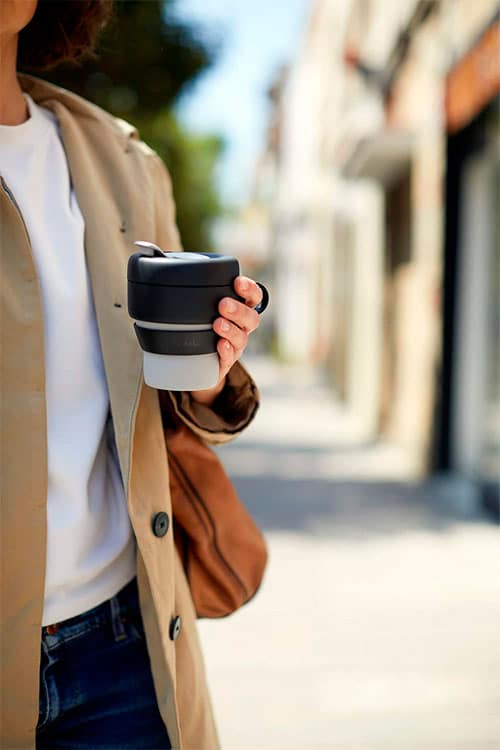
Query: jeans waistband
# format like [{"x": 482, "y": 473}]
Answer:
[{"x": 110, "y": 612}]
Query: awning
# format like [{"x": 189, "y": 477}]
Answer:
[
  {"x": 383, "y": 157},
  {"x": 474, "y": 80}
]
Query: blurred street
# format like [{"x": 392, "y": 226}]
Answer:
[
  {"x": 377, "y": 623},
  {"x": 346, "y": 155}
]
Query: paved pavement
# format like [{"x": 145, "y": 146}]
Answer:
[{"x": 378, "y": 623}]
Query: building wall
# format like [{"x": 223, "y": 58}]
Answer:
[
  {"x": 302, "y": 213},
  {"x": 416, "y": 106},
  {"x": 413, "y": 105},
  {"x": 363, "y": 118}
]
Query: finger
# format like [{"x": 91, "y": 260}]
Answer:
[
  {"x": 227, "y": 356},
  {"x": 249, "y": 290},
  {"x": 235, "y": 335},
  {"x": 238, "y": 313}
]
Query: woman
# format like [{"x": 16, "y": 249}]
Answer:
[{"x": 86, "y": 532}]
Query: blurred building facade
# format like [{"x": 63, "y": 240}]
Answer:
[
  {"x": 385, "y": 220},
  {"x": 470, "y": 385}
]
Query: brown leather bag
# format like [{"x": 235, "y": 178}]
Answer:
[{"x": 223, "y": 552}]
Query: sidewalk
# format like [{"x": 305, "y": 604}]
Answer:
[{"x": 378, "y": 623}]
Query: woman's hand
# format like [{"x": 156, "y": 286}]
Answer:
[{"x": 236, "y": 322}]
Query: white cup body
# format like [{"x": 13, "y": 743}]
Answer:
[{"x": 175, "y": 372}]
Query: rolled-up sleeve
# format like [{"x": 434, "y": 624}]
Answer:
[{"x": 230, "y": 413}]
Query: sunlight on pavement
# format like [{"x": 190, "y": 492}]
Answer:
[{"x": 377, "y": 625}]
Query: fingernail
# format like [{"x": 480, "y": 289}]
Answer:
[
  {"x": 230, "y": 306},
  {"x": 227, "y": 345},
  {"x": 244, "y": 285},
  {"x": 224, "y": 326}
]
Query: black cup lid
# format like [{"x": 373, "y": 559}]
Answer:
[{"x": 183, "y": 269}]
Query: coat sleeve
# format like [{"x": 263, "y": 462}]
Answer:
[{"x": 237, "y": 404}]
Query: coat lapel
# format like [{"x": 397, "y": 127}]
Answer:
[{"x": 109, "y": 184}]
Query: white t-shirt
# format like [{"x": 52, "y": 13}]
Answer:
[{"x": 90, "y": 544}]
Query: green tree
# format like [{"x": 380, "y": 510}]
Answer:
[{"x": 144, "y": 60}]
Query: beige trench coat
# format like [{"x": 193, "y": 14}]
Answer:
[{"x": 124, "y": 194}]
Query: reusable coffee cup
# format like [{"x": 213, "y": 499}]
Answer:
[{"x": 173, "y": 298}]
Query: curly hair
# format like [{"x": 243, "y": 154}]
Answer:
[{"x": 61, "y": 31}]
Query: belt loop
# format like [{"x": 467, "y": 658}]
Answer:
[{"x": 116, "y": 621}]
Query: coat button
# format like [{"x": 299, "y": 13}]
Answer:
[
  {"x": 161, "y": 522},
  {"x": 175, "y": 627}
]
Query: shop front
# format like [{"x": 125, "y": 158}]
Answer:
[{"x": 470, "y": 409}]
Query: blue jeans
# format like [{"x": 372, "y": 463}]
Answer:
[{"x": 96, "y": 688}]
